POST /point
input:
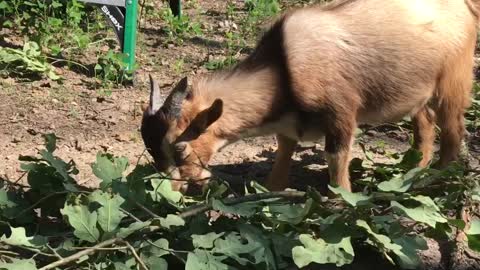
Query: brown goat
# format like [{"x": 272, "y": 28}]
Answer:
[{"x": 320, "y": 72}]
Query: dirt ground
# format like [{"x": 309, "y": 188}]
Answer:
[{"x": 89, "y": 119}]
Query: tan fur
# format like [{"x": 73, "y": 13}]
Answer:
[{"x": 349, "y": 62}]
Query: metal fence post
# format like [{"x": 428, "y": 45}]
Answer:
[
  {"x": 176, "y": 7},
  {"x": 131, "y": 7}
]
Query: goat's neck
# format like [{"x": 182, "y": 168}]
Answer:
[{"x": 249, "y": 98}]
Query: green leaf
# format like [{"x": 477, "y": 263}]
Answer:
[
  {"x": 108, "y": 168},
  {"x": 50, "y": 142},
  {"x": 17, "y": 264},
  {"x": 474, "y": 242},
  {"x": 52, "y": 75},
  {"x": 19, "y": 238},
  {"x": 163, "y": 189},
  {"x": 405, "y": 249},
  {"x": 292, "y": 214},
  {"x": 109, "y": 215},
  {"x": 206, "y": 240},
  {"x": 246, "y": 209},
  {"x": 156, "y": 263},
  {"x": 408, "y": 257},
  {"x": 3, "y": 5},
  {"x": 459, "y": 223},
  {"x": 61, "y": 167},
  {"x": 159, "y": 248},
  {"x": 425, "y": 213},
  {"x": 83, "y": 221},
  {"x": 322, "y": 252},
  {"x": 400, "y": 183},
  {"x": 282, "y": 245},
  {"x": 353, "y": 199},
  {"x": 132, "y": 228},
  {"x": 204, "y": 260},
  {"x": 411, "y": 159},
  {"x": 474, "y": 227},
  {"x": 6, "y": 200},
  {"x": 171, "y": 220},
  {"x": 234, "y": 245}
]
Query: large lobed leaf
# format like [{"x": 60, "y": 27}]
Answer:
[
  {"x": 108, "y": 168},
  {"x": 109, "y": 214},
  {"x": 322, "y": 252},
  {"x": 83, "y": 221}
]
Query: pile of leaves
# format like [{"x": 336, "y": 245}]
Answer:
[{"x": 135, "y": 221}]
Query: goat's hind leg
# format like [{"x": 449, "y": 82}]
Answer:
[
  {"x": 424, "y": 134},
  {"x": 338, "y": 144},
  {"x": 453, "y": 99},
  {"x": 278, "y": 178}
]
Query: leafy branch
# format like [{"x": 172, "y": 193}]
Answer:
[{"x": 137, "y": 220}]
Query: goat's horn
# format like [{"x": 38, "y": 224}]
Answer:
[{"x": 155, "y": 102}]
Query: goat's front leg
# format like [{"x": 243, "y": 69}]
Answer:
[
  {"x": 278, "y": 178},
  {"x": 338, "y": 144}
]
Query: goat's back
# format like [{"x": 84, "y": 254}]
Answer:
[{"x": 383, "y": 56}]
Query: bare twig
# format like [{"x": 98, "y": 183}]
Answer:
[
  {"x": 197, "y": 209},
  {"x": 173, "y": 252},
  {"x": 106, "y": 248},
  {"x": 139, "y": 260},
  {"x": 148, "y": 211},
  {"x": 82, "y": 253},
  {"x": 6, "y": 252},
  {"x": 54, "y": 252},
  {"x": 20, "y": 178}
]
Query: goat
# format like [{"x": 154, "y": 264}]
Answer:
[{"x": 320, "y": 71}]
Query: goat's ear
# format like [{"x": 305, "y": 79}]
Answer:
[
  {"x": 155, "y": 99},
  {"x": 173, "y": 104},
  {"x": 210, "y": 115}
]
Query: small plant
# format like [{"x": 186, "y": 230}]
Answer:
[
  {"x": 258, "y": 10},
  {"x": 230, "y": 9},
  {"x": 234, "y": 44},
  {"x": 262, "y": 8},
  {"x": 112, "y": 68},
  {"x": 473, "y": 113},
  {"x": 177, "y": 28},
  {"x": 217, "y": 64},
  {"x": 26, "y": 61},
  {"x": 178, "y": 66},
  {"x": 53, "y": 25}
]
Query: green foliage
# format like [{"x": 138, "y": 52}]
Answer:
[
  {"x": 112, "y": 68},
  {"x": 16, "y": 264},
  {"x": 47, "y": 22},
  {"x": 83, "y": 221},
  {"x": 262, "y": 8},
  {"x": 55, "y": 31},
  {"x": 473, "y": 114},
  {"x": 258, "y": 10},
  {"x": 338, "y": 252},
  {"x": 28, "y": 60},
  {"x": 139, "y": 220},
  {"x": 179, "y": 28},
  {"x": 234, "y": 44}
]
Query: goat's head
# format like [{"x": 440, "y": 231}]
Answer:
[{"x": 177, "y": 133}]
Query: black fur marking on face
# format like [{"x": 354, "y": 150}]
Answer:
[{"x": 153, "y": 130}]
